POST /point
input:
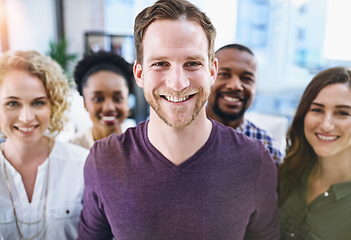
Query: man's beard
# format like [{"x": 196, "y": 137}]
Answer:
[
  {"x": 181, "y": 121},
  {"x": 229, "y": 116}
]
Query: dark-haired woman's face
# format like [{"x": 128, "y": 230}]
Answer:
[
  {"x": 328, "y": 122},
  {"x": 106, "y": 99}
]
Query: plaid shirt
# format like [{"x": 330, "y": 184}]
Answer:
[{"x": 250, "y": 130}]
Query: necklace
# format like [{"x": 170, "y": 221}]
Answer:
[{"x": 13, "y": 205}]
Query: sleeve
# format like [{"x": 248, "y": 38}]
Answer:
[
  {"x": 264, "y": 221},
  {"x": 93, "y": 223}
]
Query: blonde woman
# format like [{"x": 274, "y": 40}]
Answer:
[{"x": 41, "y": 180}]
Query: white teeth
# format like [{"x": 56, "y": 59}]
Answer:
[
  {"x": 25, "y": 129},
  {"x": 176, "y": 99},
  {"x": 231, "y": 99},
  {"x": 108, "y": 118},
  {"x": 327, "y": 138}
]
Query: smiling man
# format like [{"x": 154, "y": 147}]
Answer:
[
  {"x": 234, "y": 91},
  {"x": 178, "y": 175}
]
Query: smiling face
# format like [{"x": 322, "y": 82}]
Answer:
[
  {"x": 235, "y": 86},
  {"x": 106, "y": 99},
  {"x": 327, "y": 124},
  {"x": 24, "y": 107},
  {"x": 175, "y": 74}
]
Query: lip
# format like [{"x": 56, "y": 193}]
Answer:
[
  {"x": 327, "y": 137},
  {"x": 177, "y": 99},
  {"x": 231, "y": 99},
  {"x": 26, "y": 129},
  {"x": 109, "y": 119}
]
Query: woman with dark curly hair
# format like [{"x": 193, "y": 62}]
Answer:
[
  {"x": 315, "y": 177},
  {"x": 41, "y": 179},
  {"x": 104, "y": 80}
]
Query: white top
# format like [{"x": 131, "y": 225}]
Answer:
[
  {"x": 85, "y": 138},
  {"x": 64, "y": 198}
]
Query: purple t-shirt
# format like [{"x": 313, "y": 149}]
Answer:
[{"x": 226, "y": 190}]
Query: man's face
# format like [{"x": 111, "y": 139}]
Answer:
[
  {"x": 175, "y": 74},
  {"x": 235, "y": 86}
]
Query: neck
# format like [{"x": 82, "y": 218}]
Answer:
[
  {"x": 229, "y": 123},
  {"x": 334, "y": 169},
  {"x": 27, "y": 155},
  {"x": 177, "y": 145},
  {"x": 100, "y": 133}
]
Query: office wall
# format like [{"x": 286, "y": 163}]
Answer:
[{"x": 31, "y": 24}]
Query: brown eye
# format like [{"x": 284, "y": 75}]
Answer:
[{"x": 98, "y": 99}]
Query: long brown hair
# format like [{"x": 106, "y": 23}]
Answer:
[{"x": 300, "y": 156}]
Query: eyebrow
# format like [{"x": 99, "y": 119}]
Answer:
[
  {"x": 338, "y": 106},
  {"x": 163, "y": 58},
  {"x": 157, "y": 58},
  {"x": 196, "y": 57},
  {"x": 101, "y": 92},
  {"x": 11, "y": 97},
  {"x": 41, "y": 98},
  {"x": 228, "y": 70},
  {"x": 17, "y": 98}
]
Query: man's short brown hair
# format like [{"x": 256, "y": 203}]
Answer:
[{"x": 172, "y": 10}]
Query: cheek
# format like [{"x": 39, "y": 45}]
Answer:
[
  {"x": 347, "y": 127},
  {"x": 92, "y": 107},
  {"x": 308, "y": 125},
  {"x": 250, "y": 90},
  {"x": 124, "y": 107},
  {"x": 45, "y": 114}
]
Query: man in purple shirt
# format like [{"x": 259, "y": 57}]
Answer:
[{"x": 178, "y": 175}]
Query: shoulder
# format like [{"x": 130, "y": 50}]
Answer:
[
  {"x": 114, "y": 144},
  {"x": 229, "y": 135},
  {"x": 83, "y": 138},
  {"x": 65, "y": 151},
  {"x": 243, "y": 155},
  {"x": 252, "y": 130},
  {"x": 245, "y": 151}
]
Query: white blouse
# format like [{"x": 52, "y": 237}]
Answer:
[{"x": 64, "y": 196}]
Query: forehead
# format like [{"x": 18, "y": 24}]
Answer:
[
  {"x": 22, "y": 85},
  {"x": 335, "y": 94},
  {"x": 233, "y": 58},
  {"x": 174, "y": 38},
  {"x": 105, "y": 81},
  {"x": 18, "y": 79}
]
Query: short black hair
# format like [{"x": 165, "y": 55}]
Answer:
[
  {"x": 102, "y": 61},
  {"x": 236, "y": 46}
]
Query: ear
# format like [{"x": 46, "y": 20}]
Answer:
[
  {"x": 214, "y": 70},
  {"x": 138, "y": 73}
]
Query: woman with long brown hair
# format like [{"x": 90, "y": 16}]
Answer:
[{"x": 315, "y": 177}]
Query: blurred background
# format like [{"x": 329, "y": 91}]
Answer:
[{"x": 292, "y": 40}]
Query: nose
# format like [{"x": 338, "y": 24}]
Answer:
[
  {"x": 26, "y": 115},
  {"x": 235, "y": 84},
  {"x": 108, "y": 105},
  {"x": 327, "y": 123},
  {"x": 177, "y": 79}
]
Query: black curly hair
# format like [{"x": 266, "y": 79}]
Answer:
[{"x": 102, "y": 61}]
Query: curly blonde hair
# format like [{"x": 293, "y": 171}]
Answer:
[{"x": 50, "y": 73}]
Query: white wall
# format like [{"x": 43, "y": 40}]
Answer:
[
  {"x": 221, "y": 12},
  {"x": 223, "y": 16},
  {"x": 31, "y": 24},
  {"x": 81, "y": 16}
]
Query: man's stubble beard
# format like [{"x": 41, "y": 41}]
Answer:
[{"x": 181, "y": 121}]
